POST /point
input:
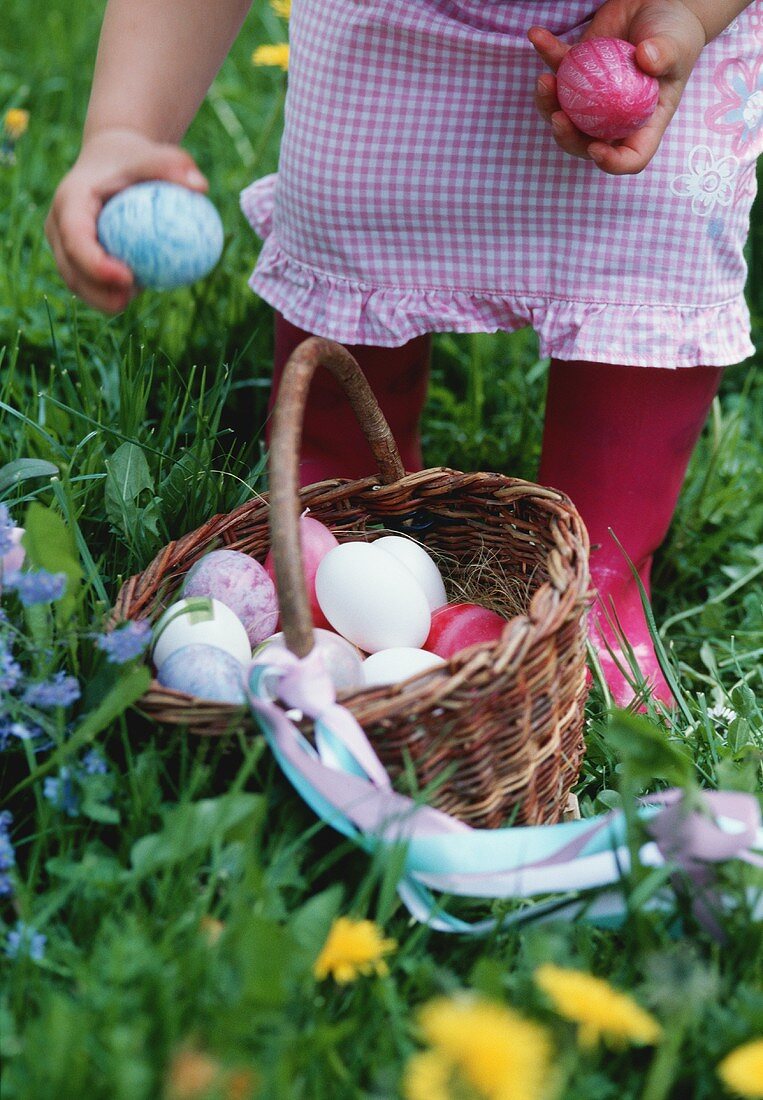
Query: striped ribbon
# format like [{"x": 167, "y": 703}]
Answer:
[{"x": 577, "y": 868}]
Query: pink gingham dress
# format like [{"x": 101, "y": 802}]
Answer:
[{"x": 418, "y": 191}]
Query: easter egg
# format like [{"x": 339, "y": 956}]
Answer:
[
  {"x": 341, "y": 659},
  {"x": 242, "y": 584},
  {"x": 315, "y": 540},
  {"x": 371, "y": 598},
  {"x": 603, "y": 90},
  {"x": 203, "y": 620},
  {"x": 459, "y": 625},
  {"x": 390, "y": 666},
  {"x": 421, "y": 564},
  {"x": 204, "y": 671},
  {"x": 167, "y": 235}
]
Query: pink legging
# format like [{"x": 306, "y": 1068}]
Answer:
[{"x": 332, "y": 442}]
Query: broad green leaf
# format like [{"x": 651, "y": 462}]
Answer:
[
  {"x": 129, "y": 490},
  {"x": 646, "y": 751},
  {"x": 50, "y": 544},
  {"x": 310, "y": 924},
  {"x": 24, "y": 469},
  {"x": 194, "y": 827}
]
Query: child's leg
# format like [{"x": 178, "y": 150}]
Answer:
[
  {"x": 332, "y": 442},
  {"x": 618, "y": 440}
]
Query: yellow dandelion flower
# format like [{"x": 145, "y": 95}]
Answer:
[
  {"x": 742, "y": 1070},
  {"x": 282, "y": 8},
  {"x": 211, "y": 929},
  {"x": 191, "y": 1074},
  {"x": 277, "y": 55},
  {"x": 16, "y": 122},
  {"x": 353, "y": 947},
  {"x": 427, "y": 1076},
  {"x": 242, "y": 1084},
  {"x": 599, "y": 1010},
  {"x": 490, "y": 1048}
]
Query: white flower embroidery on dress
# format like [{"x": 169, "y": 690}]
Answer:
[{"x": 708, "y": 182}]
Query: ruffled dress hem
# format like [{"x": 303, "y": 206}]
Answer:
[{"x": 354, "y": 312}]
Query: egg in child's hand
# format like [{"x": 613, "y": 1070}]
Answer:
[
  {"x": 204, "y": 671},
  {"x": 242, "y": 584},
  {"x": 602, "y": 89},
  {"x": 202, "y": 620},
  {"x": 341, "y": 659},
  {"x": 371, "y": 598},
  {"x": 167, "y": 235},
  {"x": 421, "y": 564},
  {"x": 390, "y": 666}
]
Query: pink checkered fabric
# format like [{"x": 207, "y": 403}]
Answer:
[{"x": 418, "y": 191}]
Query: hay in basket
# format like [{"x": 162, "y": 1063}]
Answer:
[{"x": 496, "y": 733}]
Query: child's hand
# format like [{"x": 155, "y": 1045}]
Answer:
[
  {"x": 668, "y": 38},
  {"x": 108, "y": 162}
]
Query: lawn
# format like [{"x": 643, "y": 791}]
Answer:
[{"x": 165, "y": 898}]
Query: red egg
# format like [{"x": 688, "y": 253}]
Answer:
[
  {"x": 316, "y": 540},
  {"x": 458, "y": 625},
  {"x": 602, "y": 89}
]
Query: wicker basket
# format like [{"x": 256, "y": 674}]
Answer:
[{"x": 495, "y": 734}]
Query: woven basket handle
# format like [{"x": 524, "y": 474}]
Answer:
[{"x": 283, "y": 469}]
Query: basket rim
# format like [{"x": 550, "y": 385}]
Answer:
[{"x": 551, "y": 604}]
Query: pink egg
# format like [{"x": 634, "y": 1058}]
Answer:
[
  {"x": 458, "y": 625},
  {"x": 242, "y": 584},
  {"x": 602, "y": 89},
  {"x": 316, "y": 540}
]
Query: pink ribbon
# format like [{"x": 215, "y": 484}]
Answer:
[{"x": 691, "y": 833}]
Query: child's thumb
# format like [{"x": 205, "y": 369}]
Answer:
[
  {"x": 658, "y": 55},
  {"x": 173, "y": 164}
]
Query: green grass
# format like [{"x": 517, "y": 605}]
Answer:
[{"x": 179, "y": 829}]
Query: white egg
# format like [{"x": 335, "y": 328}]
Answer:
[
  {"x": 342, "y": 660},
  {"x": 371, "y": 598},
  {"x": 390, "y": 666},
  {"x": 421, "y": 564},
  {"x": 200, "y": 620}
]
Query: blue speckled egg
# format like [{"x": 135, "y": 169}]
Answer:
[
  {"x": 167, "y": 235},
  {"x": 204, "y": 671}
]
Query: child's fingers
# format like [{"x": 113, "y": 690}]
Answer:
[
  {"x": 170, "y": 163},
  {"x": 568, "y": 137},
  {"x": 545, "y": 96},
  {"x": 659, "y": 55},
  {"x": 548, "y": 46},
  {"x": 108, "y": 298},
  {"x": 77, "y": 233},
  {"x": 632, "y": 154}
]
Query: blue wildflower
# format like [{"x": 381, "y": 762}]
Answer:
[
  {"x": 10, "y": 669},
  {"x": 94, "y": 764},
  {"x": 7, "y": 854},
  {"x": 60, "y": 691},
  {"x": 23, "y": 942},
  {"x": 126, "y": 642},
  {"x": 38, "y": 586},
  {"x": 61, "y": 791},
  {"x": 18, "y": 731},
  {"x": 6, "y": 527}
]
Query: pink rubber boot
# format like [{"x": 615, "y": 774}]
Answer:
[
  {"x": 332, "y": 442},
  {"x": 618, "y": 440}
]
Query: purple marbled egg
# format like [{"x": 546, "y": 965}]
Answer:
[
  {"x": 242, "y": 584},
  {"x": 205, "y": 672}
]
